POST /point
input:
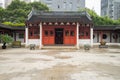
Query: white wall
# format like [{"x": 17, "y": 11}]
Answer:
[
  {"x": 34, "y": 41},
  {"x": 95, "y": 38},
  {"x": 113, "y": 40},
  {"x": 19, "y": 39},
  {"x": 107, "y": 39},
  {"x": 82, "y": 42}
]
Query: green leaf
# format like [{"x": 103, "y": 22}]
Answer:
[{"x": 6, "y": 38}]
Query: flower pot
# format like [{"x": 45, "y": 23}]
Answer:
[
  {"x": 102, "y": 43},
  {"x": 3, "y": 47}
]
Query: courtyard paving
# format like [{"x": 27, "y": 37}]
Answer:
[{"x": 25, "y": 64}]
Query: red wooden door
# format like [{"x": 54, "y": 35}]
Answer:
[
  {"x": 48, "y": 36},
  {"x": 70, "y": 35},
  {"x": 66, "y": 36}
]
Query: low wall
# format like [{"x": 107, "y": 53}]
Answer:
[
  {"x": 34, "y": 41},
  {"x": 82, "y": 42}
]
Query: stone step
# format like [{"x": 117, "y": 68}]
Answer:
[{"x": 59, "y": 47}]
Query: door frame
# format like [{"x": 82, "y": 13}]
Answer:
[{"x": 62, "y": 33}]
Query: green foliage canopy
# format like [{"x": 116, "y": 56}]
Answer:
[
  {"x": 98, "y": 20},
  {"x": 16, "y": 13},
  {"x": 6, "y": 38}
]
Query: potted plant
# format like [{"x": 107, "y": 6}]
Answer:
[
  {"x": 5, "y": 39},
  {"x": 102, "y": 43}
]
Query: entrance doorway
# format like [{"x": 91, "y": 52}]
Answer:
[{"x": 59, "y": 36}]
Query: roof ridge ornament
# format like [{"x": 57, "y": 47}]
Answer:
[
  {"x": 67, "y": 23},
  {"x": 44, "y": 23},
  {"x": 56, "y": 23},
  {"x": 73, "y": 23},
  {"x": 61, "y": 23},
  {"x": 30, "y": 24},
  {"x": 31, "y": 13},
  {"x": 50, "y": 23}
]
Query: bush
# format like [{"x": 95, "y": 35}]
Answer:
[
  {"x": 102, "y": 43},
  {"x": 5, "y": 39},
  {"x": 14, "y": 24}
]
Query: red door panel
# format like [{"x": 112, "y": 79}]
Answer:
[
  {"x": 72, "y": 40},
  {"x": 48, "y": 35},
  {"x": 45, "y": 41},
  {"x": 66, "y": 41},
  {"x": 70, "y": 35},
  {"x": 51, "y": 40}
]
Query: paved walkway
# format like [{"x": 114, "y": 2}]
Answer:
[{"x": 25, "y": 64}]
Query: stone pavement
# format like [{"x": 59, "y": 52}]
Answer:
[{"x": 25, "y": 64}]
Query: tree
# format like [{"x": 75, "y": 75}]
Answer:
[
  {"x": 38, "y": 6},
  {"x": 97, "y": 20},
  {"x": 5, "y": 39},
  {"x": 2, "y": 11},
  {"x": 16, "y": 4},
  {"x": 17, "y": 11}
]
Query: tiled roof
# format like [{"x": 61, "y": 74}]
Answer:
[
  {"x": 11, "y": 28},
  {"x": 107, "y": 27},
  {"x": 59, "y": 16},
  {"x": 4, "y": 26}
]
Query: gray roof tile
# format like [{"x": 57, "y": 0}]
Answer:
[
  {"x": 11, "y": 28},
  {"x": 53, "y": 16},
  {"x": 107, "y": 27}
]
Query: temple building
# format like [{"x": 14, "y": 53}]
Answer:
[
  {"x": 71, "y": 29},
  {"x": 109, "y": 34},
  {"x": 18, "y": 33},
  {"x": 59, "y": 29}
]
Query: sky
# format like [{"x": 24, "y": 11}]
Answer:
[{"x": 94, "y": 5}]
